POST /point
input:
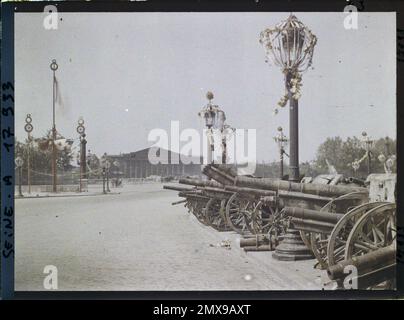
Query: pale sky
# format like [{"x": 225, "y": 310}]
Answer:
[{"x": 128, "y": 73}]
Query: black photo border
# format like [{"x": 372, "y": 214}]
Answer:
[{"x": 9, "y": 9}]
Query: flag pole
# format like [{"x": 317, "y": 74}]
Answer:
[{"x": 54, "y": 67}]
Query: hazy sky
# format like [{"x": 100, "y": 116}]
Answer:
[{"x": 127, "y": 73}]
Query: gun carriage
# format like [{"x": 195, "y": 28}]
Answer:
[{"x": 339, "y": 221}]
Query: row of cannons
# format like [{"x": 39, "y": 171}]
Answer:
[{"x": 344, "y": 222}]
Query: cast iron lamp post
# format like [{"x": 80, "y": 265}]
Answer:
[
  {"x": 388, "y": 159},
  {"x": 290, "y": 45},
  {"x": 54, "y": 66},
  {"x": 214, "y": 119},
  {"x": 105, "y": 164},
  {"x": 282, "y": 141},
  {"x": 19, "y": 163},
  {"x": 83, "y": 152},
  {"x": 367, "y": 143},
  {"x": 28, "y": 129}
]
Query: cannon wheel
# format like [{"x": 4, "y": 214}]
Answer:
[
  {"x": 196, "y": 207},
  {"x": 238, "y": 214},
  {"x": 341, "y": 231},
  {"x": 374, "y": 230},
  {"x": 319, "y": 241},
  {"x": 259, "y": 224},
  {"x": 214, "y": 214}
]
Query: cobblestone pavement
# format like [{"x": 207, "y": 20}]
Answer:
[{"x": 136, "y": 240}]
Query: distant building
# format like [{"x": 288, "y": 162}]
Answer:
[{"x": 137, "y": 165}]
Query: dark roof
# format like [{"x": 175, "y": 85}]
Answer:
[{"x": 143, "y": 154}]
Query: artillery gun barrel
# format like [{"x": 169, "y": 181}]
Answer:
[
  {"x": 356, "y": 180},
  {"x": 253, "y": 241},
  {"x": 367, "y": 263},
  {"x": 258, "y": 192},
  {"x": 188, "y": 194},
  {"x": 218, "y": 190},
  {"x": 218, "y": 175},
  {"x": 216, "y": 193},
  {"x": 178, "y": 202},
  {"x": 228, "y": 169},
  {"x": 306, "y": 214},
  {"x": 311, "y": 225},
  {"x": 307, "y": 188},
  {"x": 176, "y": 188},
  {"x": 264, "y": 247},
  {"x": 303, "y": 196},
  {"x": 224, "y": 174},
  {"x": 200, "y": 183}
]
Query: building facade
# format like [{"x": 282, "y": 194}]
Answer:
[{"x": 137, "y": 164}]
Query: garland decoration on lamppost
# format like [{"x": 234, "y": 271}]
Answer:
[{"x": 290, "y": 46}]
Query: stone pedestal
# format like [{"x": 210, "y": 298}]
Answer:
[{"x": 292, "y": 248}]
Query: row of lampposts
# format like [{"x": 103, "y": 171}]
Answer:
[
  {"x": 105, "y": 165},
  {"x": 215, "y": 118},
  {"x": 282, "y": 142},
  {"x": 367, "y": 144},
  {"x": 82, "y": 161}
]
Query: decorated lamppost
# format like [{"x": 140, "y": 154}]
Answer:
[
  {"x": 105, "y": 164},
  {"x": 387, "y": 159},
  {"x": 290, "y": 45},
  {"x": 54, "y": 66},
  {"x": 226, "y": 131},
  {"x": 208, "y": 113},
  {"x": 28, "y": 129},
  {"x": 367, "y": 143},
  {"x": 19, "y": 163},
  {"x": 282, "y": 141},
  {"x": 83, "y": 142},
  {"x": 107, "y": 167},
  {"x": 215, "y": 119}
]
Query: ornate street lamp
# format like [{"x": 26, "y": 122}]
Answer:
[
  {"x": 83, "y": 142},
  {"x": 28, "y": 129},
  {"x": 290, "y": 46},
  {"x": 54, "y": 66},
  {"x": 105, "y": 164},
  {"x": 282, "y": 141},
  {"x": 19, "y": 163},
  {"x": 214, "y": 119},
  {"x": 367, "y": 144},
  {"x": 388, "y": 159}
]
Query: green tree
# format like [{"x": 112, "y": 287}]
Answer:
[{"x": 40, "y": 158}]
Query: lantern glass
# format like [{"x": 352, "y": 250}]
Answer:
[
  {"x": 209, "y": 118},
  {"x": 289, "y": 45},
  {"x": 220, "y": 120}
]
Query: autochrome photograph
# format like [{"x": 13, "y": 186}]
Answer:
[{"x": 205, "y": 151}]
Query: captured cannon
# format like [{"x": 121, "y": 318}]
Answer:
[
  {"x": 250, "y": 205},
  {"x": 350, "y": 227},
  {"x": 206, "y": 202}
]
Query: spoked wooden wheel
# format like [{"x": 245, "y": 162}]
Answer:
[
  {"x": 196, "y": 206},
  {"x": 319, "y": 241},
  {"x": 374, "y": 230},
  {"x": 262, "y": 217},
  {"x": 341, "y": 231},
  {"x": 238, "y": 214},
  {"x": 214, "y": 214}
]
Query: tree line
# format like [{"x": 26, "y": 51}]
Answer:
[{"x": 338, "y": 152}]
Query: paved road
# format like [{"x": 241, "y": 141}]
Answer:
[{"x": 136, "y": 240}]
